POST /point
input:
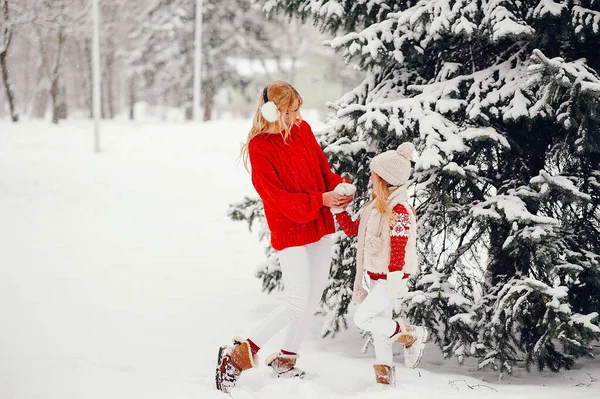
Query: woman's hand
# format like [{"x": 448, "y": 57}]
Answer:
[{"x": 333, "y": 200}]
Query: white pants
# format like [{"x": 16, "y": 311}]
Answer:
[
  {"x": 375, "y": 314},
  {"x": 305, "y": 271}
]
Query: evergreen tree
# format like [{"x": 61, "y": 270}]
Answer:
[
  {"x": 165, "y": 40},
  {"x": 501, "y": 100}
]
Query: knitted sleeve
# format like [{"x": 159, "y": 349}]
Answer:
[
  {"x": 349, "y": 226},
  {"x": 331, "y": 179},
  {"x": 298, "y": 207},
  {"x": 399, "y": 230}
]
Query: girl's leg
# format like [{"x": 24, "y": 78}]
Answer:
[
  {"x": 382, "y": 343},
  {"x": 294, "y": 263},
  {"x": 319, "y": 257},
  {"x": 375, "y": 314}
]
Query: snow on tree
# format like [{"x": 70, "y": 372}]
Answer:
[
  {"x": 165, "y": 51},
  {"x": 501, "y": 100}
]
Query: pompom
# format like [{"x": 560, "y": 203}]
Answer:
[
  {"x": 406, "y": 150},
  {"x": 269, "y": 111}
]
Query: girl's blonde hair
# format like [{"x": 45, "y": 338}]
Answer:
[
  {"x": 380, "y": 195},
  {"x": 284, "y": 96}
]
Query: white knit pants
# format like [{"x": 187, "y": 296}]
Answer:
[
  {"x": 375, "y": 314},
  {"x": 305, "y": 271}
]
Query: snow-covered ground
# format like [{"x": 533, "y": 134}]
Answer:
[{"x": 121, "y": 275}]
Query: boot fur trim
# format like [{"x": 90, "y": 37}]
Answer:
[
  {"x": 255, "y": 359},
  {"x": 241, "y": 355}
]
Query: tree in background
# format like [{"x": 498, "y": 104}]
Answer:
[
  {"x": 501, "y": 100},
  {"x": 147, "y": 59},
  {"x": 5, "y": 42},
  {"x": 146, "y": 54},
  {"x": 44, "y": 32},
  {"x": 165, "y": 45}
]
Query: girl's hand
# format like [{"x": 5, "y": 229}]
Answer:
[{"x": 397, "y": 284}]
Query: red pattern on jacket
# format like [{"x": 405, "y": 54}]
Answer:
[
  {"x": 399, "y": 229},
  {"x": 291, "y": 178}
]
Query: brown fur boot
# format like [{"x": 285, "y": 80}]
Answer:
[
  {"x": 405, "y": 338},
  {"x": 409, "y": 334},
  {"x": 385, "y": 374},
  {"x": 284, "y": 365},
  {"x": 231, "y": 362}
]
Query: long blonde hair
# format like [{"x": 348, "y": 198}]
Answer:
[
  {"x": 284, "y": 96},
  {"x": 380, "y": 194}
]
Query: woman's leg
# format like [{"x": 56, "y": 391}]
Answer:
[
  {"x": 375, "y": 314},
  {"x": 319, "y": 265},
  {"x": 294, "y": 262},
  {"x": 232, "y": 361}
]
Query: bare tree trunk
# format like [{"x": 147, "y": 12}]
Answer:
[
  {"x": 208, "y": 90},
  {"x": 63, "y": 109},
  {"x": 110, "y": 98},
  {"x": 208, "y": 95},
  {"x": 88, "y": 58},
  {"x": 187, "y": 101},
  {"x": 40, "y": 95},
  {"x": 132, "y": 97},
  {"x": 7, "y": 88},
  {"x": 4, "y": 45},
  {"x": 57, "y": 108},
  {"x": 84, "y": 53}
]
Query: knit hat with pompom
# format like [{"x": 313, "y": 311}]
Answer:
[{"x": 394, "y": 166}]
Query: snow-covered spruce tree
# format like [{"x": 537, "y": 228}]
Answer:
[
  {"x": 507, "y": 178},
  {"x": 568, "y": 190}
]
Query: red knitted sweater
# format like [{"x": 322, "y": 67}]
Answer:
[
  {"x": 291, "y": 178},
  {"x": 399, "y": 230}
]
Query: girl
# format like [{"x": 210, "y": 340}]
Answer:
[
  {"x": 292, "y": 176},
  {"x": 387, "y": 250}
]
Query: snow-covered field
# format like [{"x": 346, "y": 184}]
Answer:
[{"x": 120, "y": 275}]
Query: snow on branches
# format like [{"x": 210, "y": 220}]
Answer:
[{"x": 506, "y": 181}]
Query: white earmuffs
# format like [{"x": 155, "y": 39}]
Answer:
[{"x": 269, "y": 110}]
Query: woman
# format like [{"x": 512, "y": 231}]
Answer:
[{"x": 294, "y": 180}]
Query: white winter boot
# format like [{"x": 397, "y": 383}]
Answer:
[{"x": 413, "y": 338}]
